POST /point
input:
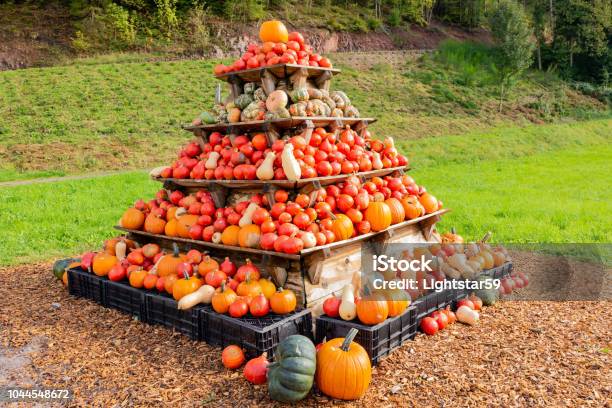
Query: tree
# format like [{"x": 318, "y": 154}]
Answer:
[{"x": 511, "y": 29}]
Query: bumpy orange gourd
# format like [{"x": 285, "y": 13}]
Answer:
[
  {"x": 132, "y": 219},
  {"x": 230, "y": 235},
  {"x": 248, "y": 236},
  {"x": 184, "y": 222},
  {"x": 223, "y": 298},
  {"x": 372, "y": 309},
  {"x": 397, "y": 210},
  {"x": 342, "y": 227},
  {"x": 274, "y": 31},
  {"x": 169, "y": 263},
  {"x": 103, "y": 263},
  {"x": 343, "y": 368},
  {"x": 378, "y": 214},
  {"x": 185, "y": 286},
  {"x": 283, "y": 301}
]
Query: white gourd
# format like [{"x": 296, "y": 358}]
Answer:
[
  {"x": 120, "y": 250},
  {"x": 467, "y": 316},
  {"x": 291, "y": 167},
  {"x": 247, "y": 217},
  {"x": 211, "y": 163},
  {"x": 348, "y": 308},
  {"x": 266, "y": 170},
  {"x": 156, "y": 172}
]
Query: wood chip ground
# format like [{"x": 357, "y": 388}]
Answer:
[{"x": 520, "y": 354}]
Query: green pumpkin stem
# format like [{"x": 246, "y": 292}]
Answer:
[
  {"x": 453, "y": 230},
  {"x": 349, "y": 339},
  {"x": 175, "y": 250}
]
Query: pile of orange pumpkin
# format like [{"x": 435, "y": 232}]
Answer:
[
  {"x": 278, "y": 223},
  {"x": 279, "y": 47},
  {"x": 251, "y": 157}
]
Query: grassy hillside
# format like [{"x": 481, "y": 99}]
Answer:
[
  {"x": 104, "y": 116},
  {"x": 545, "y": 183}
]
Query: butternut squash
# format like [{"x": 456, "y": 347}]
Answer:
[
  {"x": 211, "y": 162},
  {"x": 203, "y": 295},
  {"x": 348, "y": 309},
  {"x": 291, "y": 167},
  {"x": 265, "y": 171},
  {"x": 247, "y": 217}
]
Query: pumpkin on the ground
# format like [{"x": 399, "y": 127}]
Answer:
[
  {"x": 232, "y": 357},
  {"x": 60, "y": 266},
  {"x": 343, "y": 368},
  {"x": 291, "y": 375}
]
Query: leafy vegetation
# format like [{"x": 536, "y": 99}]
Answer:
[{"x": 534, "y": 184}]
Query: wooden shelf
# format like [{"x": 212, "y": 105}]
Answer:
[
  {"x": 294, "y": 121},
  {"x": 279, "y": 70},
  {"x": 296, "y": 257},
  {"x": 286, "y": 184}
]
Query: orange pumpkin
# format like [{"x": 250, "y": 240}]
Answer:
[
  {"x": 132, "y": 219},
  {"x": 223, "y": 298},
  {"x": 208, "y": 264},
  {"x": 412, "y": 207},
  {"x": 171, "y": 228},
  {"x": 168, "y": 264},
  {"x": 103, "y": 263},
  {"x": 283, "y": 301},
  {"x": 372, "y": 309},
  {"x": 230, "y": 235},
  {"x": 397, "y": 210},
  {"x": 273, "y": 31},
  {"x": 397, "y": 301},
  {"x": 343, "y": 368},
  {"x": 249, "y": 288},
  {"x": 184, "y": 222},
  {"x": 378, "y": 214},
  {"x": 429, "y": 202},
  {"x": 171, "y": 213},
  {"x": 342, "y": 227},
  {"x": 232, "y": 357},
  {"x": 154, "y": 224},
  {"x": 185, "y": 286},
  {"x": 137, "y": 278},
  {"x": 268, "y": 288},
  {"x": 109, "y": 245},
  {"x": 248, "y": 236},
  {"x": 169, "y": 281}
]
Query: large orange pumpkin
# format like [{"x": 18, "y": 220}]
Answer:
[
  {"x": 103, "y": 263},
  {"x": 184, "y": 222},
  {"x": 378, "y": 214},
  {"x": 429, "y": 202},
  {"x": 342, "y": 227},
  {"x": 154, "y": 224},
  {"x": 248, "y": 236},
  {"x": 372, "y": 309},
  {"x": 168, "y": 264},
  {"x": 230, "y": 235},
  {"x": 343, "y": 368},
  {"x": 397, "y": 301},
  {"x": 397, "y": 210},
  {"x": 273, "y": 31},
  {"x": 132, "y": 219}
]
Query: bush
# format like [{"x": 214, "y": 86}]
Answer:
[
  {"x": 244, "y": 10},
  {"x": 197, "y": 33}
]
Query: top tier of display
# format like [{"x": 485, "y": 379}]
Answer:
[{"x": 280, "y": 71}]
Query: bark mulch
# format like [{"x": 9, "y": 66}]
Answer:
[{"x": 520, "y": 354}]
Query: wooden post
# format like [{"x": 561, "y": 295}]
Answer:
[
  {"x": 308, "y": 131},
  {"x": 235, "y": 86},
  {"x": 268, "y": 82},
  {"x": 298, "y": 78},
  {"x": 271, "y": 133},
  {"x": 324, "y": 80}
]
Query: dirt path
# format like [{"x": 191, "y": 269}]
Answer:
[
  {"x": 64, "y": 178},
  {"x": 520, "y": 354}
]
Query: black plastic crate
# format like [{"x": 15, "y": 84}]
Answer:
[
  {"x": 162, "y": 310},
  {"x": 123, "y": 297},
  {"x": 378, "y": 340},
  {"x": 86, "y": 285},
  {"x": 254, "y": 335},
  {"x": 433, "y": 301}
]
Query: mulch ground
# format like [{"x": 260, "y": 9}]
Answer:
[{"x": 520, "y": 354}]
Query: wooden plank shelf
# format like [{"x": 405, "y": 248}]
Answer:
[
  {"x": 294, "y": 121},
  {"x": 279, "y": 70},
  {"x": 286, "y": 184},
  {"x": 294, "y": 257}
]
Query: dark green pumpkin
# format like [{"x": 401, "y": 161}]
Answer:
[
  {"x": 60, "y": 266},
  {"x": 291, "y": 375}
]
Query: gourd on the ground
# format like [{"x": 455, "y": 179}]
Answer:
[{"x": 291, "y": 376}]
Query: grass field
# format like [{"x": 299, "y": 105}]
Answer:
[
  {"x": 545, "y": 183},
  {"x": 102, "y": 115}
]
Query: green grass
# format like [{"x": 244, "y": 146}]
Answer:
[
  {"x": 524, "y": 188},
  {"x": 97, "y": 115}
]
